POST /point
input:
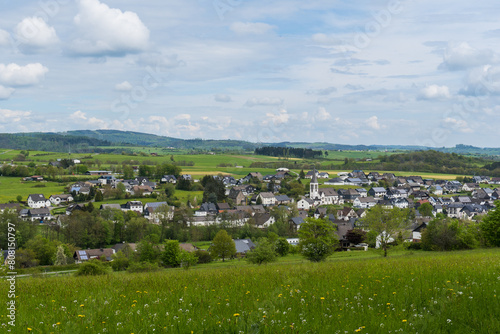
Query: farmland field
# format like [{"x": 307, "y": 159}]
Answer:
[{"x": 413, "y": 293}]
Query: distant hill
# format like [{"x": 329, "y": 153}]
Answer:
[
  {"x": 100, "y": 140},
  {"x": 52, "y": 142}
]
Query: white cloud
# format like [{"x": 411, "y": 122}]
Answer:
[
  {"x": 264, "y": 101},
  {"x": 281, "y": 117},
  {"x": 373, "y": 123},
  {"x": 108, "y": 31},
  {"x": 222, "y": 98},
  {"x": 92, "y": 122},
  {"x": 4, "y": 38},
  {"x": 482, "y": 81},
  {"x": 34, "y": 34},
  {"x": 434, "y": 92},
  {"x": 458, "y": 124},
  {"x": 256, "y": 28},
  {"x": 5, "y": 92},
  {"x": 183, "y": 117},
  {"x": 322, "y": 114},
  {"x": 124, "y": 87},
  {"x": 15, "y": 75},
  {"x": 8, "y": 116},
  {"x": 463, "y": 56}
]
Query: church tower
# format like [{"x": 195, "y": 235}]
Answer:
[{"x": 313, "y": 186}]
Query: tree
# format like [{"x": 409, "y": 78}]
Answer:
[
  {"x": 120, "y": 261},
  {"x": 317, "y": 239},
  {"x": 490, "y": 227},
  {"x": 214, "y": 189},
  {"x": 44, "y": 249},
  {"x": 128, "y": 172},
  {"x": 223, "y": 246},
  {"x": 187, "y": 259},
  {"x": 98, "y": 196},
  {"x": 171, "y": 253},
  {"x": 302, "y": 175},
  {"x": 425, "y": 209},
  {"x": 449, "y": 234},
  {"x": 61, "y": 258},
  {"x": 169, "y": 190},
  {"x": 356, "y": 236},
  {"x": 264, "y": 252},
  {"x": 386, "y": 224},
  {"x": 147, "y": 251},
  {"x": 282, "y": 247}
]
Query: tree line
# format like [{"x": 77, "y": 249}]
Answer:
[{"x": 289, "y": 152}]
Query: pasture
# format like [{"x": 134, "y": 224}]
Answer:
[{"x": 412, "y": 293}]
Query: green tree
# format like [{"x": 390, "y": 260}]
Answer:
[
  {"x": 128, "y": 172},
  {"x": 214, "y": 189},
  {"x": 386, "y": 224},
  {"x": 44, "y": 249},
  {"x": 302, "y": 175},
  {"x": 223, "y": 246},
  {"x": 187, "y": 259},
  {"x": 147, "y": 252},
  {"x": 120, "y": 261},
  {"x": 425, "y": 209},
  {"x": 98, "y": 196},
  {"x": 171, "y": 253},
  {"x": 282, "y": 247},
  {"x": 317, "y": 239},
  {"x": 356, "y": 236},
  {"x": 490, "y": 227},
  {"x": 264, "y": 252},
  {"x": 169, "y": 190}
]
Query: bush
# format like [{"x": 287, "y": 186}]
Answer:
[
  {"x": 120, "y": 263},
  {"x": 142, "y": 267},
  {"x": 91, "y": 268},
  {"x": 413, "y": 245},
  {"x": 203, "y": 256}
]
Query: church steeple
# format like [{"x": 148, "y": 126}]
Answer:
[{"x": 313, "y": 186}]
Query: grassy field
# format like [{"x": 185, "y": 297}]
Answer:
[
  {"x": 11, "y": 187},
  {"x": 412, "y": 293}
]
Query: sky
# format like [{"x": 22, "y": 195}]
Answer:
[{"x": 392, "y": 72}]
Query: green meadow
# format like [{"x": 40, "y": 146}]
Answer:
[{"x": 409, "y": 293}]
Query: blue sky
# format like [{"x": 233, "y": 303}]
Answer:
[{"x": 364, "y": 72}]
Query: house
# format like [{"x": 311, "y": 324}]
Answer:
[
  {"x": 320, "y": 212},
  {"x": 470, "y": 187},
  {"x": 377, "y": 192},
  {"x": 221, "y": 207},
  {"x": 107, "y": 179},
  {"x": 263, "y": 220},
  {"x": 417, "y": 232},
  {"x": 305, "y": 204},
  {"x": 267, "y": 198},
  {"x": 237, "y": 196},
  {"x": 155, "y": 211},
  {"x": 133, "y": 206},
  {"x": 41, "y": 214},
  {"x": 401, "y": 203},
  {"x": 364, "y": 202},
  {"x": 335, "y": 182},
  {"x": 206, "y": 209},
  {"x": 58, "y": 199},
  {"x": 168, "y": 179},
  {"x": 110, "y": 206},
  {"x": 343, "y": 227},
  {"x": 98, "y": 172},
  {"x": 243, "y": 246},
  {"x": 362, "y": 192},
  {"x": 142, "y": 190},
  {"x": 81, "y": 256},
  {"x": 10, "y": 207},
  {"x": 74, "y": 207},
  {"x": 188, "y": 247},
  {"x": 283, "y": 199},
  {"x": 295, "y": 223},
  {"x": 36, "y": 201},
  {"x": 346, "y": 213}
]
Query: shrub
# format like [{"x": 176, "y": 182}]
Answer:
[
  {"x": 91, "y": 268},
  {"x": 203, "y": 256}
]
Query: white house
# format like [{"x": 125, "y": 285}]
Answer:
[
  {"x": 58, "y": 199},
  {"x": 267, "y": 198},
  {"x": 37, "y": 201},
  {"x": 305, "y": 204}
]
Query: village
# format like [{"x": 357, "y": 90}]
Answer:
[{"x": 343, "y": 199}]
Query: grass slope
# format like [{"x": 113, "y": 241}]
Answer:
[{"x": 421, "y": 292}]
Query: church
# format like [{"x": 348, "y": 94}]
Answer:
[{"x": 323, "y": 196}]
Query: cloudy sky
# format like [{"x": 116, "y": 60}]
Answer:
[{"x": 353, "y": 72}]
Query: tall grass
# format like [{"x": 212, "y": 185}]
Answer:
[{"x": 424, "y": 293}]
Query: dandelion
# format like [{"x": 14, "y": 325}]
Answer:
[
  {"x": 404, "y": 320},
  {"x": 322, "y": 298},
  {"x": 29, "y": 329},
  {"x": 81, "y": 315},
  {"x": 236, "y": 315}
]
